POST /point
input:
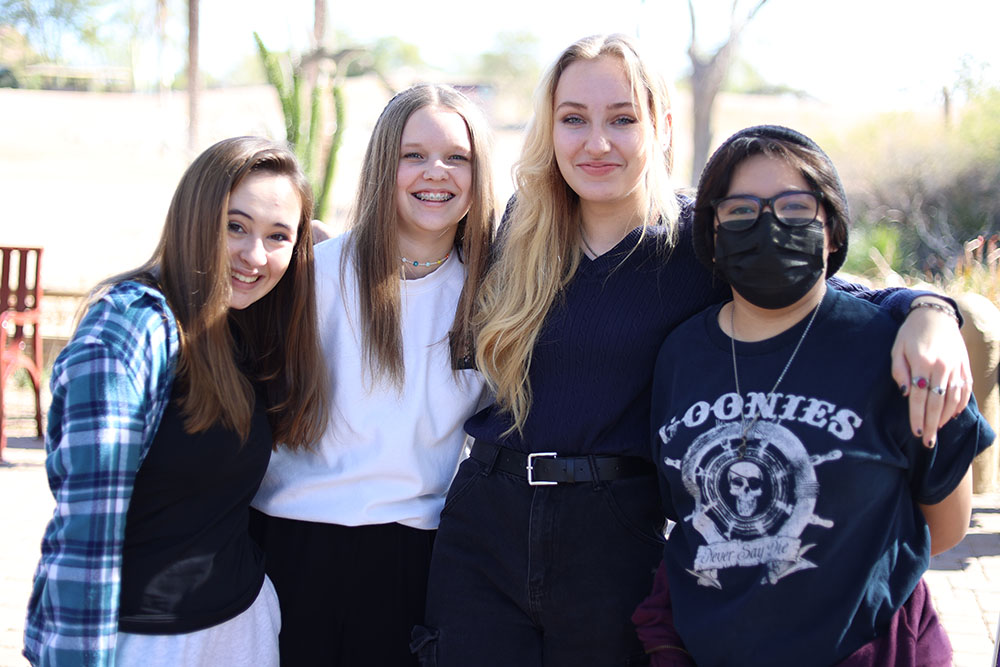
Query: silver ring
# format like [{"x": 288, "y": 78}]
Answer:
[
  {"x": 939, "y": 390},
  {"x": 957, "y": 385},
  {"x": 919, "y": 382}
]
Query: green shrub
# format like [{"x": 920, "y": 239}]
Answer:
[{"x": 922, "y": 187}]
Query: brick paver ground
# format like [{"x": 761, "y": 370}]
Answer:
[{"x": 965, "y": 582}]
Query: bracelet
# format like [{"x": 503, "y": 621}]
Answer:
[{"x": 940, "y": 307}]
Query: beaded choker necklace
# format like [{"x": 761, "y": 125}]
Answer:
[
  {"x": 437, "y": 263},
  {"x": 736, "y": 376}
]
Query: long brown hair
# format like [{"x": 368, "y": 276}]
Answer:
[
  {"x": 277, "y": 338},
  {"x": 374, "y": 246}
]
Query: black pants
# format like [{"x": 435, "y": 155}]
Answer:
[
  {"x": 349, "y": 595},
  {"x": 526, "y": 576}
]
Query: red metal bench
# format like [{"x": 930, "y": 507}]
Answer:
[{"x": 20, "y": 313}]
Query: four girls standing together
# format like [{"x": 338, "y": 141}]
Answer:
[{"x": 373, "y": 365}]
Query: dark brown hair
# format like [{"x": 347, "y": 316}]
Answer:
[{"x": 794, "y": 148}]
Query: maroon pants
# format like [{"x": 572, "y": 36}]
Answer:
[{"x": 915, "y": 637}]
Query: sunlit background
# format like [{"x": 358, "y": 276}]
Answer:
[
  {"x": 98, "y": 121},
  {"x": 903, "y": 95}
]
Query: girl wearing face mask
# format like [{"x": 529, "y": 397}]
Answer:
[
  {"x": 348, "y": 525},
  {"x": 792, "y": 468},
  {"x": 165, "y": 405},
  {"x": 552, "y": 529}
]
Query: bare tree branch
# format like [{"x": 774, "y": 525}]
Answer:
[
  {"x": 319, "y": 21},
  {"x": 754, "y": 11},
  {"x": 708, "y": 72},
  {"x": 692, "y": 48},
  {"x": 738, "y": 26},
  {"x": 194, "y": 77}
]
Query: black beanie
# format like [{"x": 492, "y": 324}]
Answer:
[{"x": 704, "y": 214}]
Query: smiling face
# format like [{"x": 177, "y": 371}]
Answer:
[
  {"x": 262, "y": 223},
  {"x": 599, "y": 134},
  {"x": 433, "y": 177}
]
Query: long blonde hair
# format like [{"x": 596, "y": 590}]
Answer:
[
  {"x": 539, "y": 244},
  {"x": 374, "y": 245},
  {"x": 278, "y": 335}
]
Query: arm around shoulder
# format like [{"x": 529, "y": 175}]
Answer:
[
  {"x": 948, "y": 520},
  {"x": 961, "y": 441},
  {"x": 930, "y": 364}
]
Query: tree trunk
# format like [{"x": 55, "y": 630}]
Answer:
[
  {"x": 319, "y": 21},
  {"x": 702, "y": 101},
  {"x": 161, "y": 39},
  {"x": 194, "y": 82},
  {"x": 310, "y": 67},
  {"x": 707, "y": 76}
]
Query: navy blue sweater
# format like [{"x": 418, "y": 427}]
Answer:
[{"x": 592, "y": 369}]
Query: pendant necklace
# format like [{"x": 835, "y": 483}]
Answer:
[
  {"x": 736, "y": 376},
  {"x": 585, "y": 244},
  {"x": 583, "y": 237}
]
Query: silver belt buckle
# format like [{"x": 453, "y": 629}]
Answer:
[{"x": 530, "y": 469}]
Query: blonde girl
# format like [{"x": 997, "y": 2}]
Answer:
[{"x": 552, "y": 529}]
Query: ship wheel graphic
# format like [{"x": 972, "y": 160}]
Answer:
[{"x": 770, "y": 490}]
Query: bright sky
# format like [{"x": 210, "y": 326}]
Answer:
[{"x": 885, "y": 52}]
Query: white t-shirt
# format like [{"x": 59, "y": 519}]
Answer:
[{"x": 388, "y": 453}]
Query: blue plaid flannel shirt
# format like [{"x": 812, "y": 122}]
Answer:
[{"x": 110, "y": 386}]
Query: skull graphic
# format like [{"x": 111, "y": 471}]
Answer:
[{"x": 746, "y": 484}]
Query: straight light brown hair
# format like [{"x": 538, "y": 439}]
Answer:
[
  {"x": 276, "y": 340},
  {"x": 373, "y": 242}
]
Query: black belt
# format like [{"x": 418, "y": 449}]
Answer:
[{"x": 547, "y": 468}]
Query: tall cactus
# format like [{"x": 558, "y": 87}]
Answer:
[
  {"x": 305, "y": 136},
  {"x": 322, "y": 199}
]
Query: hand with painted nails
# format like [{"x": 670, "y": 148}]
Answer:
[{"x": 931, "y": 366}]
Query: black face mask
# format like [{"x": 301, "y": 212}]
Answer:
[{"x": 771, "y": 265}]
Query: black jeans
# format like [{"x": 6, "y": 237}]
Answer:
[
  {"x": 539, "y": 575},
  {"x": 349, "y": 595}
]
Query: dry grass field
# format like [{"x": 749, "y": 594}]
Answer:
[{"x": 89, "y": 176}]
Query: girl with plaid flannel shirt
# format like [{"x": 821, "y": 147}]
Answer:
[{"x": 165, "y": 405}]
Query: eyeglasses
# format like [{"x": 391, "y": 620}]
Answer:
[{"x": 796, "y": 208}]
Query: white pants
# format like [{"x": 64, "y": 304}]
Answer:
[{"x": 248, "y": 639}]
